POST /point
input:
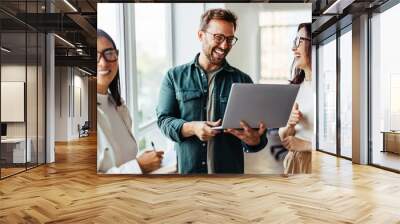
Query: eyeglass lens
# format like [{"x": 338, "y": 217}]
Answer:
[
  {"x": 109, "y": 55},
  {"x": 296, "y": 42},
  {"x": 219, "y": 38}
]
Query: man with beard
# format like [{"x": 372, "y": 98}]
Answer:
[{"x": 193, "y": 99}]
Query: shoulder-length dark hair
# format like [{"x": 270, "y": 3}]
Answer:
[
  {"x": 299, "y": 74},
  {"x": 115, "y": 88}
]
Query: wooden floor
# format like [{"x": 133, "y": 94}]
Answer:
[
  {"x": 70, "y": 191},
  {"x": 10, "y": 171}
]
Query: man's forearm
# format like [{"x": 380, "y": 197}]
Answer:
[{"x": 187, "y": 129}]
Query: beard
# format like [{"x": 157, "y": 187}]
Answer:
[{"x": 215, "y": 55}]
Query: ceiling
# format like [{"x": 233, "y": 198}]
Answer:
[
  {"x": 73, "y": 20},
  {"x": 332, "y": 15}
]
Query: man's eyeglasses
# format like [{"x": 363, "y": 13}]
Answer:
[
  {"x": 109, "y": 54},
  {"x": 298, "y": 40},
  {"x": 220, "y": 38}
]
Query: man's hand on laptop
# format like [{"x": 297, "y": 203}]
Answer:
[
  {"x": 202, "y": 129},
  {"x": 248, "y": 135}
]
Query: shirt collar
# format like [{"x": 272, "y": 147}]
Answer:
[{"x": 225, "y": 65}]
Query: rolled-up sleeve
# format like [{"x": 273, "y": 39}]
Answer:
[{"x": 168, "y": 111}]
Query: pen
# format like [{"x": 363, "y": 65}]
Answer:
[{"x": 152, "y": 144}]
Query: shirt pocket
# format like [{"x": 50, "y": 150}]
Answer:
[
  {"x": 190, "y": 104},
  {"x": 187, "y": 95},
  {"x": 223, "y": 101}
]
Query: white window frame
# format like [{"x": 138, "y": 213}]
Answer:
[{"x": 132, "y": 82}]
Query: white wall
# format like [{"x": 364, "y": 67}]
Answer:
[
  {"x": 185, "y": 25},
  {"x": 61, "y": 103},
  {"x": 12, "y": 73},
  {"x": 33, "y": 126},
  {"x": 245, "y": 54},
  {"x": 68, "y": 81},
  {"x": 186, "y": 20},
  {"x": 80, "y": 83}
]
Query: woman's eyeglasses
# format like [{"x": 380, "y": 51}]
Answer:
[
  {"x": 298, "y": 40},
  {"x": 110, "y": 55},
  {"x": 220, "y": 38}
]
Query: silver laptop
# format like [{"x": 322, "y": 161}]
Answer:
[{"x": 254, "y": 103}]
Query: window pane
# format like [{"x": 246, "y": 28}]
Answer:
[
  {"x": 41, "y": 98},
  {"x": 32, "y": 98},
  {"x": 327, "y": 97},
  {"x": 345, "y": 94},
  {"x": 276, "y": 55},
  {"x": 278, "y": 31},
  {"x": 13, "y": 83},
  {"x": 385, "y": 84},
  {"x": 152, "y": 56}
]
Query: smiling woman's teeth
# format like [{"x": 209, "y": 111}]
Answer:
[{"x": 103, "y": 72}]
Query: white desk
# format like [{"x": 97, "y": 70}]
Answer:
[{"x": 17, "y": 147}]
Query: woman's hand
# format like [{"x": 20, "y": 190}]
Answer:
[
  {"x": 150, "y": 160},
  {"x": 295, "y": 117},
  {"x": 296, "y": 144},
  {"x": 248, "y": 135}
]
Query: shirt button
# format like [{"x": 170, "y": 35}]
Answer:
[
  {"x": 203, "y": 163},
  {"x": 204, "y": 144},
  {"x": 205, "y": 91}
]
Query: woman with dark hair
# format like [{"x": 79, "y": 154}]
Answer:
[
  {"x": 116, "y": 146},
  {"x": 297, "y": 136}
]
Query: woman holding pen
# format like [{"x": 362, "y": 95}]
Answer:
[{"x": 116, "y": 146}]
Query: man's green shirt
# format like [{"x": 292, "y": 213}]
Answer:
[{"x": 183, "y": 98}]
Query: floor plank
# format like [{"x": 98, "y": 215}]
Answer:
[{"x": 70, "y": 191}]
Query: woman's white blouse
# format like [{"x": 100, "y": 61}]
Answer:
[
  {"x": 116, "y": 146},
  {"x": 305, "y": 99}
]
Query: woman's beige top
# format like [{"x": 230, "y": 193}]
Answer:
[{"x": 116, "y": 146}]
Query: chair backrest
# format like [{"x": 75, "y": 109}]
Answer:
[{"x": 86, "y": 125}]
